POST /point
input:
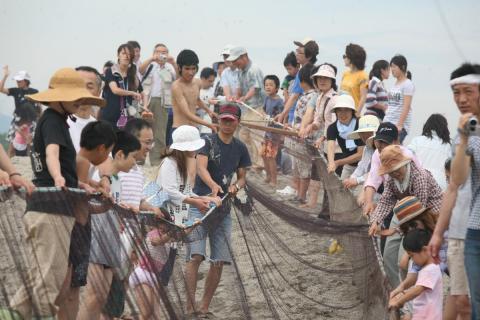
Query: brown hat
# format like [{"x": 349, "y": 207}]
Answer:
[
  {"x": 66, "y": 85},
  {"x": 392, "y": 158}
]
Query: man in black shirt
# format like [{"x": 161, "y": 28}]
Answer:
[
  {"x": 18, "y": 94},
  {"x": 222, "y": 157},
  {"x": 48, "y": 224}
]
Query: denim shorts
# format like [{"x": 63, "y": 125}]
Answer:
[{"x": 219, "y": 239}]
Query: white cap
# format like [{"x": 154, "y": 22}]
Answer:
[
  {"x": 325, "y": 70},
  {"x": 236, "y": 52},
  {"x": 344, "y": 101},
  {"x": 227, "y": 48},
  {"x": 186, "y": 138},
  {"x": 21, "y": 75},
  {"x": 303, "y": 43}
]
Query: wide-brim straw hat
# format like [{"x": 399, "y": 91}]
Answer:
[
  {"x": 408, "y": 208},
  {"x": 186, "y": 138},
  {"x": 368, "y": 123},
  {"x": 392, "y": 158},
  {"x": 66, "y": 85}
]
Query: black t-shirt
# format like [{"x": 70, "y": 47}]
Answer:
[
  {"x": 19, "y": 95},
  {"x": 52, "y": 129},
  {"x": 111, "y": 112},
  {"x": 333, "y": 134},
  {"x": 223, "y": 162}
]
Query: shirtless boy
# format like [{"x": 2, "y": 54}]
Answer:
[{"x": 186, "y": 93}]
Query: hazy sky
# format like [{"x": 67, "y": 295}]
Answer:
[{"x": 43, "y": 35}]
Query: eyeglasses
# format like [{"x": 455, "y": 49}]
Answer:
[{"x": 148, "y": 143}]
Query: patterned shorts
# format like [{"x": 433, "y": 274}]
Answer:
[{"x": 269, "y": 149}]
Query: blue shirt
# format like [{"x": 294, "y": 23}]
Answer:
[{"x": 296, "y": 89}]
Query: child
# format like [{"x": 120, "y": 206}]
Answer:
[
  {"x": 302, "y": 168},
  {"x": 291, "y": 65},
  {"x": 48, "y": 226},
  {"x": 24, "y": 128},
  {"x": 273, "y": 106},
  {"x": 106, "y": 252},
  {"x": 96, "y": 143},
  {"x": 144, "y": 278},
  {"x": 427, "y": 293}
]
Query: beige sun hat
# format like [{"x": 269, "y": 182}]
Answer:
[
  {"x": 344, "y": 101},
  {"x": 66, "y": 85},
  {"x": 368, "y": 123}
]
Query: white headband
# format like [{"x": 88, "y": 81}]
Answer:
[{"x": 467, "y": 79}]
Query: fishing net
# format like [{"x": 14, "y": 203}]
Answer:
[{"x": 287, "y": 262}]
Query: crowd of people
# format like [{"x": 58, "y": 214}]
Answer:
[{"x": 97, "y": 130}]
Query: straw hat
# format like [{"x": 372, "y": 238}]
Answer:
[
  {"x": 344, "y": 101},
  {"x": 368, "y": 123},
  {"x": 392, "y": 158},
  {"x": 408, "y": 208},
  {"x": 66, "y": 85},
  {"x": 186, "y": 138}
]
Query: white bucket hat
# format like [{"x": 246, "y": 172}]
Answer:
[
  {"x": 21, "y": 75},
  {"x": 186, "y": 138},
  {"x": 344, "y": 101},
  {"x": 324, "y": 71},
  {"x": 368, "y": 123}
]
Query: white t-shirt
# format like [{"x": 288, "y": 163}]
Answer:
[
  {"x": 76, "y": 129},
  {"x": 162, "y": 79},
  {"x": 432, "y": 153},
  {"x": 395, "y": 103}
]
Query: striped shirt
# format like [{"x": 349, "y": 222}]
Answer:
[
  {"x": 376, "y": 95},
  {"x": 132, "y": 186}
]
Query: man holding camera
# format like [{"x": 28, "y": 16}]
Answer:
[
  {"x": 461, "y": 196},
  {"x": 159, "y": 72},
  {"x": 465, "y": 163}
]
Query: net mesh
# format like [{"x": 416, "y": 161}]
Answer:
[{"x": 282, "y": 263}]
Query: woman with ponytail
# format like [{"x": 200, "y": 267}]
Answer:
[
  {"x": 400, "y": 97},
  {"x": 377, "y": 97},
  {"x": 121, "y": 87}
]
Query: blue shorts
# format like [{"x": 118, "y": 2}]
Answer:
[{"x": 219, "y": 239}]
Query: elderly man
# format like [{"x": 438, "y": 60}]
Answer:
[{"x": 251, "y": 93}]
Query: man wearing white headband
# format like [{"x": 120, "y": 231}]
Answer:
[{"x": 457, "y": 201}]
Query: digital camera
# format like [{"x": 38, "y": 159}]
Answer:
[
  {"x": 163, "y": 57},
  {"x": 472, "y": 128}
]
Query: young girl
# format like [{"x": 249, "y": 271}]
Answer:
[
  {"x": 377, "y": 97},
  {"x": 400, "y": 96},
  {"x": 177, "y": 171},
  {"x": 144, "y": 278},
  {"x": 121, "y": 87},
  {"x": 427, "y": 293}
]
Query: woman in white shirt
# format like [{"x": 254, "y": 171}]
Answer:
[
  {"x": 433, "y": 147},
  {"x": 174, "y": 175}
]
